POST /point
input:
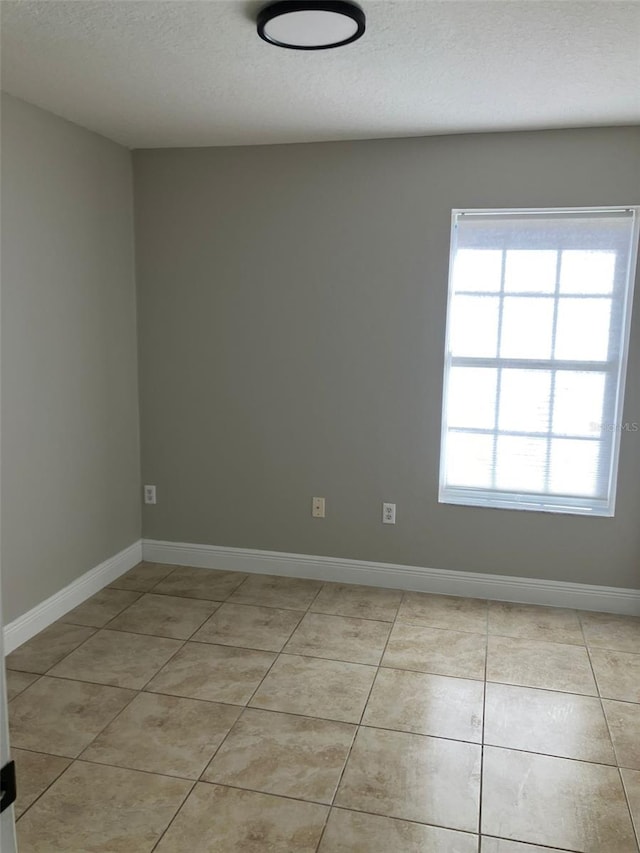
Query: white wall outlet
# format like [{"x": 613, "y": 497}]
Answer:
[
  {"x": 149, "y": 494},
  {"x": 388, "y": 513},
  {"x": 317, "y": 507}
]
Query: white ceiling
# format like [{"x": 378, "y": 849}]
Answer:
[{"x": 158, "y": 74}]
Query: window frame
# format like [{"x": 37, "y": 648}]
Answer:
[{"x": 615, "y": 371}]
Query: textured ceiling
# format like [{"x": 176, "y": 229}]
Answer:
[{"x": 158, "y": 74}]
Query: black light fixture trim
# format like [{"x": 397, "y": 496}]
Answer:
[{"x": 338, "y": 7}]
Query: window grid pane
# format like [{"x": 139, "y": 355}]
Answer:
[
  {"x": 557, "y": 369},
  {"x": 552, "y": 402},
  {"x": 503, "y": 267}
]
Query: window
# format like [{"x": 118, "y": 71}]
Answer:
[{"x": 537, "y": 339}]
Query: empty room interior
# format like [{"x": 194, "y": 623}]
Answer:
[{"x": 320, "y": 426}]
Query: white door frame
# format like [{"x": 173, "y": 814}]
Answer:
[
  {"x": 7, "y": 817},
  {"x": 7, "y": 820}
]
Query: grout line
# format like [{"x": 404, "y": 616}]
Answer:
[
  {"x": 359, "y": 724},
  {"x": 246, "y": 706},
  {"x": 322, "y": 584},
  {"x": 273, "y": 662},
  {"x": 378, "y": 667},
  {"x": 171, "y": 566},
  {"x": 344, "y": 808},
  {"x": 265, "y": 793},
  {"x": 296, "y": 654},
  {"x": 109, "y": 626},
  {"x": 482, "y": 740},
  {"x": 219, "y": 747},
  {"x": 55, "y": 779},
  {"x": 527, "y": 843},
  {"x": 178, "y": 810},
  {"x": 349, "y": 618},
  {"x": 94, "y": 631},
  {"x": 118, "y": 686},
  {"x": 541, "y": 754},
  {"x": 49, "y": 674},
  {"x": 166, "y": 663},
  {"x": 635, "y": 825},
  {"x": 332, "y": 719},
  {"x": 20, "y": 692},
  {"x": 94, "y": 763},
  {"x": 106, "y": 726},
  {"x": 231, "y": 600},
  {"x": 277, "y": 655},
  {"x": 220, "y": 602},
  {"x": 315, "y": 597},
  {"x": 328, "y": 807},
  {"x": 608, "y": 727},
  {"x": 218, "y": 641},
  {"x": 206, "y": 618}
]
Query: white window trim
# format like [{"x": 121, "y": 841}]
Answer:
[{"x": 535, "y": 502}]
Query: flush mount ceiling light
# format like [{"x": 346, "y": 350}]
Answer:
[{"x": 311, "y": 24}]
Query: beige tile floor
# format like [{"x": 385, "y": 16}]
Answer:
[{"x": 184, "y": 710}]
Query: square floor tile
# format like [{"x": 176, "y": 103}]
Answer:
[
  {"x": 96, "y": 611},
  {"x": 142, "y": 577},
  {"x": 631, "y": 780},
  {"x": 624, "y": 725},
  {"x": 164, "y": 616},
  {"x": 48, "y": 647},
  {"x": 533, "y": 622},
  {"x": 617, "y": 674},
  {"x": 283, "y": 754},
  {"x": 164, "y": 734},
  {"x": 313, "y": 687},
  {"x": 555, "y": 802},
  {"x": 35, "y": 771},
  {"x": 413, "y": 777},
  {"x": 426, "y": 704},
  {"x": 17, "y": 682},
  {"x": 444, "y": 611},
  {"x": 200, "y": 583},
  {"x": 611, "y": 631},
  {"x": 114, "y": 657},
  {"x": 437, "y": 651},
  {"x": 500, "y": 845},
  {"x": 545, "y": 721},
  {"x": 251, "y": 627},
  {"x": 365, "y": 602},
  {"x": 276, "y": 591},
  {"x": 102, "y": 810},
  {"x": 354, "y": 832},
  {"x": 233, "y": 821},
  {"x": 339, "y": 638},
  {"x": 62, "y": 717},
  {"x": 214, "y": 673},
  {"x": 533, "y": 663}
]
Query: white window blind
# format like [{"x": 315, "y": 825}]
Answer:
[{"x": 535, "y": 360}]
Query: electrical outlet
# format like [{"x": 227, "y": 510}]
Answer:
[
  {"x": 149, "y": 494},
  {"x": 317, "y": 507},
  {"x": 388, "y": 513}
]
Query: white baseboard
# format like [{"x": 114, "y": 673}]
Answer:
[
  {"x": 443, "y": 581},
  {"x": 42, "y": 615}
]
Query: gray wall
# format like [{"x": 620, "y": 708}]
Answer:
[
  {"x": 70, "y": 444},
  {"x": 291, "y": 332}
]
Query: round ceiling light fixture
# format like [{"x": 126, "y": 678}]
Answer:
[{"x": 311, "y": 24}]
